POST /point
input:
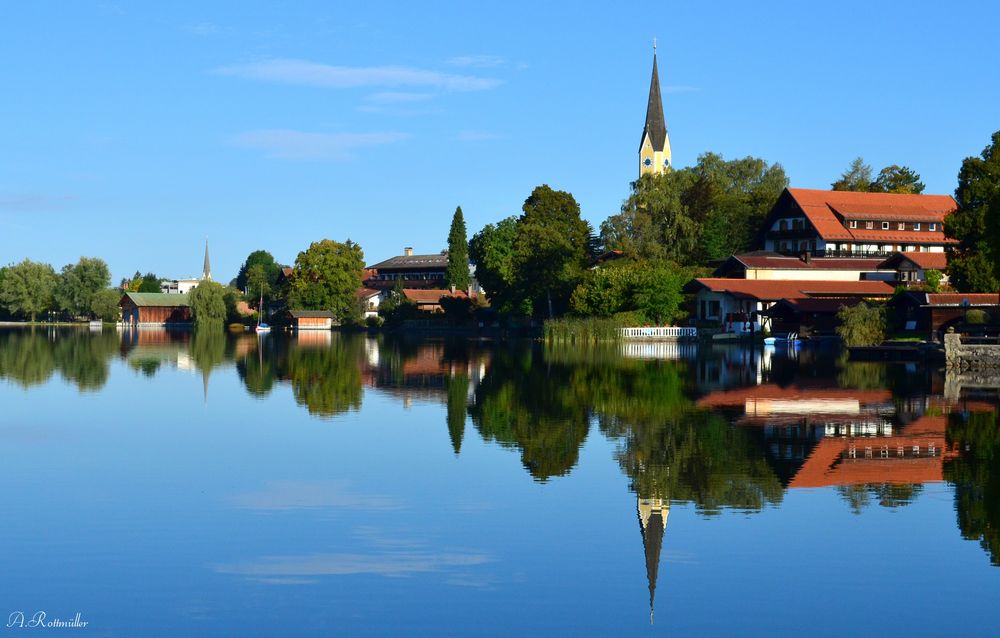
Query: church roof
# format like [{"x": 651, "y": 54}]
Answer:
[{"x": 655, "y": 126}]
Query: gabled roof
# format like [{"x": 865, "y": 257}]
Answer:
[
  {"x": 923, "y": 261},
  {"x": 430, "y": 295},
  {"x": 655, "y": 126},
  {"x": 367, "y": 293},
  {"x": 827, "y": 210},
  {"x": 157, "y": 299},
  {"x": 410, "y": 262},
  {"x": 775, "y": 289}
]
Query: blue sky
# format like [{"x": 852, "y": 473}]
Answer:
[{"x": 133, "y": 131}]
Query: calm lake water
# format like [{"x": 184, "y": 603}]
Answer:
[{"x": 168, "y": 484}]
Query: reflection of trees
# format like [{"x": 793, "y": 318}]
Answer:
[
  {"x": 327, "y": 380},
  {"x": 208, "y": 350},
  {"x": 458, "y": 390},
  {"x": 259, "y": 369},
  {"x": 859, "y": 496},
  {"x": 526, "y": 404},
  {"x": 27, "y": 358},
  {"x": 82, "y": 358},
  {"x": 975, "y": 473}
]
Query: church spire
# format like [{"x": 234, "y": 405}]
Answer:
[
  {"x": 654, "y": 149},
  {"x": 206, "y": 272}
]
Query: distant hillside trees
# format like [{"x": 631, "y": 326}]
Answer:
[
  {"x": 975, "y": 265},
  {"x": 891, "y": 179}
]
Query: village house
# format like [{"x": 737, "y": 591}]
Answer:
[
  {"x": 413, "y": 272},
  {"x": 765, "y": 264},
  {"x": 852, "y": 224},
  {"x": 738, "y": 305},
  {"x": 911, "y": 268},
  {"x": 933, "y": 313},
  {"x": 144, "y": 309},
  {"x": 429, "y": 300},
  {"x": 369, "y": 299}
]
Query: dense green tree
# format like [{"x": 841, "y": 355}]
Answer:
[
  {"x": 862, "y": 324},
  {"x": 457, "y": 272},
  {"x": 79, "y": 283},
  {"x": 150, "y": 282},
  {"x": 28, "y": 288},
  {"x": 659, "y": 296},
  {"x": 975, "y": 265},
  {"x": 551, "y": 248},
  {"x": 208, "y": 306},
  {"x": 258, "y": 282},
  {"x": 327, "y": 276},
  {"x": 687, "y": 216},
  {"x": 607, "y": 290},
  {"x": 492, "y": 251},
  {"x": 897, "y": 179},
  {"x": 104, "y": 304},
  {"x": 857, "y": 177},
  {"x": 270, "y": 275}
]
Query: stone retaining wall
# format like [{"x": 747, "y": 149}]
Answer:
[{"x": 962, "y": 356}]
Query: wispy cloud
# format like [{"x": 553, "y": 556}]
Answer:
[
  {"x": 303, "y": 145},
  {"x": 33, "y": 202},
  {"x": 478, "y": 61},
  {"x": 306, "y": 73},
  {"x": 293, "y": 569},
  {"x": 398, "y": 97},
  {"x": 475, "y": 136},
  {"x": 293, "y": 495}
]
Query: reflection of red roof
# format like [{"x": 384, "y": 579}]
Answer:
[
  {"x": 957, "y": 298},
  {"x": 827, "y": 210},
  {"x": 740, "y": 396},
  {"x": 775, "y": 289},
  {"x": 831, "y": 464},
  {"x": 924, "y": 261}
]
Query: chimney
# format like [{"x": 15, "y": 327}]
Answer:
[
  {"x": 452, "y": 288},
  {"x": 408, "y": 251}
]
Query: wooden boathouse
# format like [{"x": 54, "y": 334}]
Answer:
[{"x": 155, "y": 309}]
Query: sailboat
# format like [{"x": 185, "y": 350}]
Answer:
[{"x": 262, "y": 327}]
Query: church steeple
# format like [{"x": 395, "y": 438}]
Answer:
[
  {"x": 653, "y": 514},
  {"x": 206, "y": 272},
  {"x": 654, "y": 149}
]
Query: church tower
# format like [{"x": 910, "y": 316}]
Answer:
[
  {"x": 654, "y": 151},
  {"x": 206, "y": 271}
]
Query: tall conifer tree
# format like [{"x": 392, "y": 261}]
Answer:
[{"x": 458, "y": 253}]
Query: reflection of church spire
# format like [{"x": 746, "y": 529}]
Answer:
[
  {"x": 653, "y": 523},
  {"x": 204, "y": 382}
]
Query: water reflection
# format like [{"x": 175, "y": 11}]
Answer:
[{"x": 714, "y": 427}]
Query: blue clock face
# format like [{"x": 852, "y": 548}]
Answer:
[
  {"x": 666, "y": 163},
  {"x": 647, "y": 162}
]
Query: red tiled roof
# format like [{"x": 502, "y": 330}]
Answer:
[
  {"x": 924, "y": 261},
  {"x": 366, "y": 293},
  {"x": 775, "y": 289},
  {"x": 430, "y": 296},
  {"x": 823, "y": 207},
  {"x": 901, "y": 236},
  {"x": 956, "y": 298}
]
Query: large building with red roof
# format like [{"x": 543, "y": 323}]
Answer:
[{"x": 851, "y": 224}]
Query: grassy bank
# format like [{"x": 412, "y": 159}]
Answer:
[{"x": 584, "y": 330}]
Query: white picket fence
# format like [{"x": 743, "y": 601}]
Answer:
[{"x": 660, "y": 332}]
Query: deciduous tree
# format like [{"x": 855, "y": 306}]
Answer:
[
  {"x": 28, "y": 288},
  {"x": 327, "y": 276},
  {"x": 79, "y": 283},
  {"x": 208, "y": 305},
  {"x": 492, "y": 251},
  {"x": 104, "y": 304},
  {"x": 897, "y": 179},
  {"x": 271, "y": 272}
]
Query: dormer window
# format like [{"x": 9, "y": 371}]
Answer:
[
  {"x": 901, "y": 226},
  {"x": 885, "y": 225},
  {"x": 852, "y": 224},
  {"x": 916, "y": 226},
  {"x": 932, "y": 227},
  {"x": 870, "y": 225}
]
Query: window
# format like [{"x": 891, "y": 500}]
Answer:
[
  {"x": 852, "y": 224},
  {"x": 870, "y": 225},
  {"x": 916, "y": 226},
  {"x": 782, "y": 225},
  {"x": 932, "y": 227},
  {"x": 885, "y": 225},
  {"x": 901, "y": 226}
]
